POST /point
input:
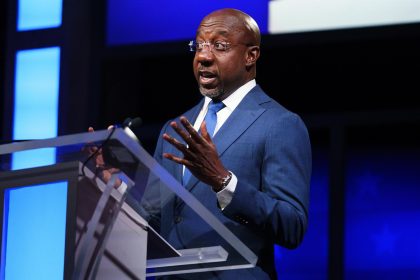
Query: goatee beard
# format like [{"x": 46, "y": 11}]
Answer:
[{"x": 211, "y": 93}]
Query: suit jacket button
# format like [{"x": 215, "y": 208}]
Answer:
[{"x": 178, "y": 219}]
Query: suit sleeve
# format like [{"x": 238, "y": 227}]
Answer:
[{"x": 278, "y": 207}]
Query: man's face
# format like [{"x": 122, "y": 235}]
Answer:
[{"x": 219, "y": 73}]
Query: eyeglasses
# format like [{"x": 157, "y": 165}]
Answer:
[{"x": 218, "y": 46}]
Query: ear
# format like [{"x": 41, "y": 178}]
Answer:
[{"x": 252, "y": 55}]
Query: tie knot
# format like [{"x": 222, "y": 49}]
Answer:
[{"x": 216, "y": 106}]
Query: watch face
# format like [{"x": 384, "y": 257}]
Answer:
[{"x": 226, "y": 180}]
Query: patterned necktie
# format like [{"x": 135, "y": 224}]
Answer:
[{"x": 211, "y": 121}]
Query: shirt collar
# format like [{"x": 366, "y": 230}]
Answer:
[{"x": 233, "y": 100}]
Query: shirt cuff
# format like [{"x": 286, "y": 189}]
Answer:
[
  {"x": 224, "y": 197},
  {"x": 122, "y": 188}
]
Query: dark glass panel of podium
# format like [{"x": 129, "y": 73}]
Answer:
[{"x": 114, "y": 232}]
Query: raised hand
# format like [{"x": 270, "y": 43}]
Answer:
[{"x": 200, "y": 154}]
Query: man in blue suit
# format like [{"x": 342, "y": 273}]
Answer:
[{"x": 252, "y": 167}]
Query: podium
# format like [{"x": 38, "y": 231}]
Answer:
[{"x": 78, "y": 218}]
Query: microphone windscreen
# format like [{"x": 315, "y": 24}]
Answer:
[
  {"x": 131, "y": 123},
  {"x": 136, "y": 122}
]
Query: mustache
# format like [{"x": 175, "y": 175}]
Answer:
[{"x": 206, "y": 69}]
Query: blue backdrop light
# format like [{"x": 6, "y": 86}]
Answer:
[
  {"x": 34, "y": 219},
  {"x": 36, "y": 103},
  {"x": 34, "y": 239},
  {"x": 133, "y": 21},
  {"x": 382, "y": 215},
  {"x": 381, "y": 223},
  {"x": 36, "y": 93},
  {"x": 39, "y": 14}
]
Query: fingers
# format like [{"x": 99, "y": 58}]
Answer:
[
  {"x": 189, "y": 134},
  {"x": 193, "y": 134},
  {"x": 194, "y": 141},
  {"x": 90, "y": 129},
  {"x": 182, "y": 132},
  {"x": 181, "y": 147},
  {"x": 175, "y": 142},
  {"x": 177, "y": 159},
  {"x": 204, "y": 132},
  {"x": 196, "y": 144}
]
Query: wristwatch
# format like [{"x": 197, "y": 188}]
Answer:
[{"x": 225, "y": 181}]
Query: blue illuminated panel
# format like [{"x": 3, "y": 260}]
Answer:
[
  {"x": 383, "y": 215},
  {"x": 34, "y": 228},
  {"x": 39, "y": 14},
  {"x": 134, "y": 21},
  {"x": 36, "y": 103},
  {"x": 33, "y": 158},
  {"x": 310, "y": 259}
]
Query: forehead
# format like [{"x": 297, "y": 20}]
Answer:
[{"x": 224, "y": 26}]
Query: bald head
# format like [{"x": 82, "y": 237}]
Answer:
[{"x": 239, "y": 21}]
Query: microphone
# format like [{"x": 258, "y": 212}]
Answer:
[
  {"x": 108, "y": 154},
  {"x": 128, "y": 124},
  {"x": 132, "y": 123},
  {"x": 117, "y": 156}
]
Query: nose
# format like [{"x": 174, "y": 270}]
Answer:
[{"x": 205, "y": 56}]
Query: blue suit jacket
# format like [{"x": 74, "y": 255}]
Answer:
[{"x": 267, "y": 147}]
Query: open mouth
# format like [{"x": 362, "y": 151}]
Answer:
[{"x": 206, "y": 77}]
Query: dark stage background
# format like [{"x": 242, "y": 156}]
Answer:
[{"x": 356, "y": 89}]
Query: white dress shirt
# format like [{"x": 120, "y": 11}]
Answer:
[{"x": 224, "y": 196}]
